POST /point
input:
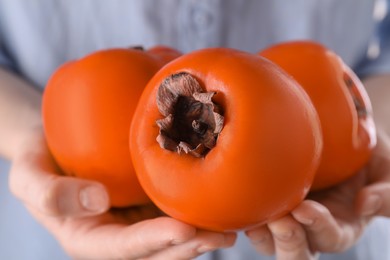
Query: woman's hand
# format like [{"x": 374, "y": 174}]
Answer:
[
  {"x": 77, "y": 212},
  {"x": 331, "y": 220},
  {"x": 325, "y": 223}
]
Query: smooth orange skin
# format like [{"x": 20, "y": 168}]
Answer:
[
  {"x": 87, "y": 109},
  {"x": 348, "y": 138},
  {"x": 265, "y": 157}
]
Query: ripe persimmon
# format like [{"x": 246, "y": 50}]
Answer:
[
  {"x": 87, "y": 108},
  {"x": 341, "y": 102},
  {"x": 225, "y": 140}
]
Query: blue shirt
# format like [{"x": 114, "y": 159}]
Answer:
[{"x": 39, "y": 35}]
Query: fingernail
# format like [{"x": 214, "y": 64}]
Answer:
[
  {"x": 306, "y": 221},
  {"x": 284, "y": 235},
  {"x": 94, "y": 198},
  {"x": 371, "y": 206}
]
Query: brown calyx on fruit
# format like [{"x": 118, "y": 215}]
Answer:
[{"x": 192, "y": 120}]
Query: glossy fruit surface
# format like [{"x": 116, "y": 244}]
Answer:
[
  {"x": 88, "y": 105},
  {"x": 341, "y": 102},
  {"x": 263, "y": 160}
]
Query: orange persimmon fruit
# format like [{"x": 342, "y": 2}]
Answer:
[
  {"x": 225, "y": 140},
  {"x": 341, "y": 102},
  {"x": 87, "y": 109}
]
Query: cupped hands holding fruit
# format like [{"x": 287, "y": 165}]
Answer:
[
  {"x": 237, "y": 117},
  {"x": 221, "y": 140}
]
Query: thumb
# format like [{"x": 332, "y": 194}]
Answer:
[
  {"x": 374, "y": 200},
  {"x": 34, "y": 178}
]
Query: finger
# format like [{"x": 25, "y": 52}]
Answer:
[
  {"x": 290, "y": 239},
  {"x": 115, "y": 241},
  {"x": 322, "y": 230},
  {"x": 261, "y": 239},
  {"x": 203, "y": 242},
  {"x": 379, "y": 166},
  {"x": 374, "y": 200},
  {"x": 34, "y": 179}
]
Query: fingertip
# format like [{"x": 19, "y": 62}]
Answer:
[
  {"x": 308, "y": 212},
  {"x": 262, "y": 240},
  {"x": 174, "y": 231},
  {"x": 283, "y": 228},
  {"x": 94, "y": 198},
  {"x": 230, "y": 239},
  {"x": 258, "y": 235},
  {"x": 72, "y": 197},
  {"x": 368, "y": 203},
  {"x": 220, "y": 240},
  {"x": 289, "y": 237},
  {"x": 310, "y": 205},
  {"x": 154, "y": 235}
]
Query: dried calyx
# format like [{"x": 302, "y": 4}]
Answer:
[{"x": 192, "y": 121}]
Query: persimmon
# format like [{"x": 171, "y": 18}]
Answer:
[
  {"x": 225, "y": 140},
  {"x": 341, "y": 102},
  {"x": 88, "y": 105}
]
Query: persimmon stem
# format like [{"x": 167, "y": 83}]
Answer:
[{"x": 192, "y": 120}]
